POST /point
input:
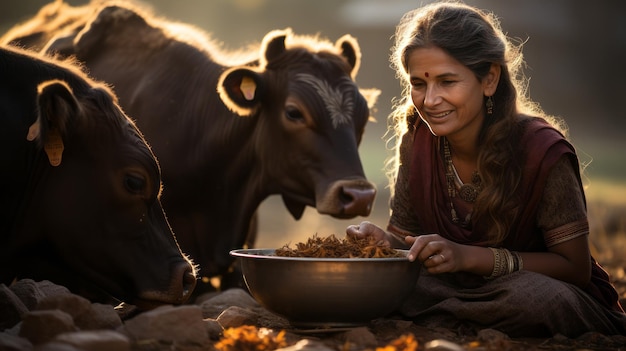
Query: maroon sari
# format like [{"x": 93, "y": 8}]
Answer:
[{"x": 541, "y": 147}]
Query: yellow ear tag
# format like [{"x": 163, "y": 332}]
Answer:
[
  {"x": 54, "y": 147},
  {"x": 248, "y": 87},
  {"x": 33, "y": 131}
]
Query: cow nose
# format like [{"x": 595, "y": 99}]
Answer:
[
  {"x": 189, "y": 284},
  {"x": 357, "y": 201},
  {"x": 347, "y": 198},
  {"x": 184, "y": 280}
]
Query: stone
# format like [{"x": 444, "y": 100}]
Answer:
[
  {"x": 42, "y": 326},
  {"x": 98, "y": 316},
  {"x": 15, "y": 330},
  {"x": 491, "y": 335},
  {"x": 87, "y": 316},
  {"x": 236, "y": 316},
  {"x": 10, "y": 342},
  {"x": 214, "y": 329},
  {"x": 72, "y": 304},
  {"x": 360, "y": 336},
  {"x": 56, "y": 346},
  {"x": 95, "y": 340},
  {"x": 271, "y": 320},
  {"x": 126, "y": 311},
  {"x": 442, "y": 345},
  {"x": 183, "y": 324},
  {"x": 28, "y": 292},
  {"x": 31, "y": 292},
  {"x": 307, "y": 345},
  {"x": 402, "y": 324},
  {"x": 214, "y": 306},
  {"x": 11, "y": 306},
  {"x": 202, "y": 297}
]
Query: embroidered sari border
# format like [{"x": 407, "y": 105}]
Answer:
[{"x": 566, "y": 232}]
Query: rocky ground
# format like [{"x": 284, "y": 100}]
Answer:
[{"x": 43, "y": 316}]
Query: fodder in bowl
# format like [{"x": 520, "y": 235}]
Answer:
[{"x": 325, "y": 292}]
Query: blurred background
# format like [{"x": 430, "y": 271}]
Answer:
[{"x": 575, "y": 52}]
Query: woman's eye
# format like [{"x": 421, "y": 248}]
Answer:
[
  {"x": 134, "y": 183},
  {"x": 294, "y": 114},
  {"x": 417, "y": 84}
]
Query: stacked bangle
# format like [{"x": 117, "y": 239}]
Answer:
[{"x": 505, "y": 262}]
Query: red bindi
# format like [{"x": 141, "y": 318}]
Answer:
[{"x": 426, "y": 74}]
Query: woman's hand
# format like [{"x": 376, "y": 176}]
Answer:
[
  {"x": 437, "y": 255},
  {"x": 366, "y": 229}
]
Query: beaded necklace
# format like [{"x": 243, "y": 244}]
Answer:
[{"x": 467, "y": 192}]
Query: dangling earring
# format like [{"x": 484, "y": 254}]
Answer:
[{"x": 489, "y": 105}]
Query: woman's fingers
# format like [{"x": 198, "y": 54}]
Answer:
[
  {"x": 363, "y": 229},
  {"x": 367, "y": 229},
  {"x": 428, "y": 249},
  {"x": 352, "y": 230},
  {"x": 435, "y": 261}
]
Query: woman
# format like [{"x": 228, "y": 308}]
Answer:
[{"x": 487, "y": 190}]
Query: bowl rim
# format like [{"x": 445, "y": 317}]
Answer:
[{"x": 269, "y": 254}]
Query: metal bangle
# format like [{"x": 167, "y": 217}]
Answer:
[
  {"x": 497, "y": 264},
  {"x": 519, "y": 263},
  {"x": 510, "y": 264}
]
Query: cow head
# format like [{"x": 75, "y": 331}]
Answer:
[
  {"x": 96, "y": 222},
  {"x": 303, "y": 93}
]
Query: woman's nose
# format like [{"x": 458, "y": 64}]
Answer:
[{"x": 432, "y": 96}]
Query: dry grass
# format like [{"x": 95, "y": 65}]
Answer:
[{"x": 607, "y": 218}]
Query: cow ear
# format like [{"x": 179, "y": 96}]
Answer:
[
  {"x": 371, "y": 96},
  {"x": 61, "y": 45},
  {"x": 104, "y": 24},
  {"x": 273, "y": 45},
  {"x": 350, "y": 50},
  {"x": 56, "y": 105},
  {"x": 240, "y": 90}
]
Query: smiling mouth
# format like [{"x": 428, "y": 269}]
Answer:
[{"x": 439, "y": 115}]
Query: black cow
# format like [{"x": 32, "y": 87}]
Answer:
[
  {"x": 80, "y": 190},
  {"x": 229, "y": 132}
]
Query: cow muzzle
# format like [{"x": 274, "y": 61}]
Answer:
[
  {"x": 347, "y": 199},
  {"x": 182, "y": 283}
]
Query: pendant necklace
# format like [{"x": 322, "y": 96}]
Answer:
[{"x": 467, "y": 192}]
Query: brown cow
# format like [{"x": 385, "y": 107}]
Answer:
[
  {"x": 80, "y": 190},
  {"x": 287, "y": 120}
]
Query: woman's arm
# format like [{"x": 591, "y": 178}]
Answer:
[
  {"x": 562, "y": 216},
  {"x": 568, "y": 261},
  {"x": 563, "y": 219}
]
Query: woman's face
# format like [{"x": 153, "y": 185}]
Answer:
[{"x": 446, "y": 93}]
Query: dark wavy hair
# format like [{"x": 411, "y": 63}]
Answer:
[{"x": 474, "y": 38}]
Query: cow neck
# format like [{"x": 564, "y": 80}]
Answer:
[
  {"x": 36, "y": 169},
  {"x": 243, "y": 191}
]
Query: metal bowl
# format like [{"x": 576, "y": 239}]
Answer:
[{"x": 327, "y": 292}]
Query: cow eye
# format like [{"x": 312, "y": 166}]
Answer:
[
  {"x": 294, "y": 114},
  {"x": 134, "y": 183}
]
